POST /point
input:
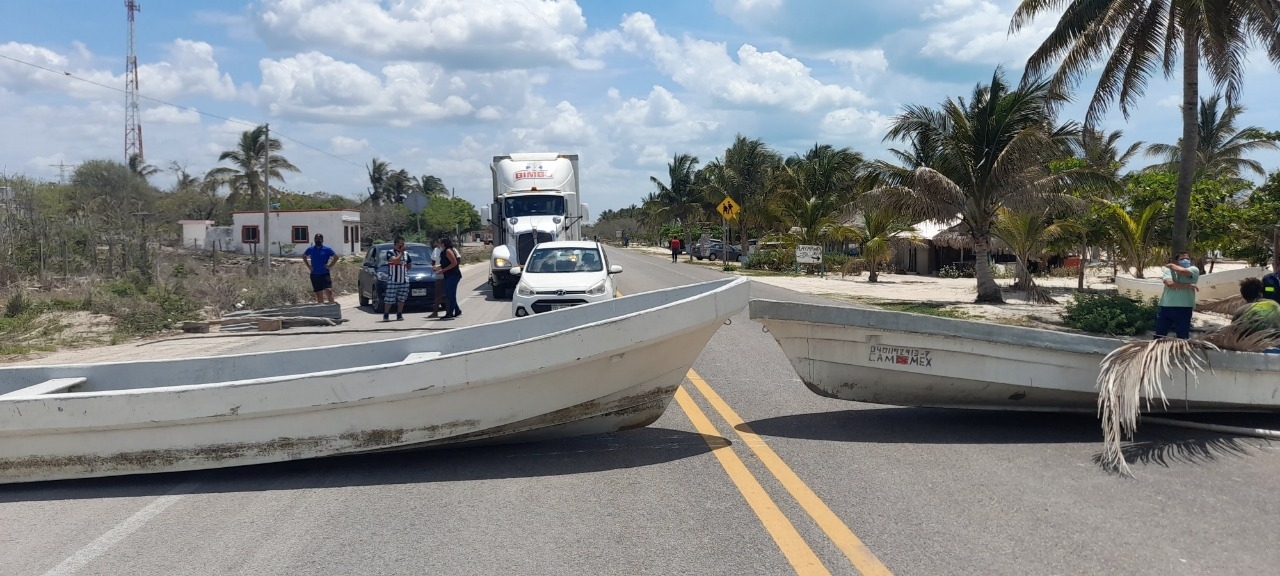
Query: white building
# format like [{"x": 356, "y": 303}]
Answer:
[
  {"x": 291, "y": 231},
  {"x": 194, "y": 233}
]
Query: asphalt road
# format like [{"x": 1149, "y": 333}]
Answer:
[{"x": 926, "y": 491}]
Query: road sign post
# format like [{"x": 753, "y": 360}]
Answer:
[{"x": 729, "y": 210}]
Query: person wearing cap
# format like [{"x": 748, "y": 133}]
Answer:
[{"x": 318, "y": 259}]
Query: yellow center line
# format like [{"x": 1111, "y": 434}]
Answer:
[
  {"x": 798, "y": 553},
  {"x": 862, "y": 558}
]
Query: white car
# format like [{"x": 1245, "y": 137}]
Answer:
[{"x": 562, "y": 274}]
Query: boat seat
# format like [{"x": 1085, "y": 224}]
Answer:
[
  {"x": 47, "y": 387},
  {"x": 416, "y": 356}
]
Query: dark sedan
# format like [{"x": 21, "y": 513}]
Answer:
[
  {"x": 373, "y": 276},
  {"x": 715, "y": 251}
]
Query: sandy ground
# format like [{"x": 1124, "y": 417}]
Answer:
[{"x": 957, "y": 293}]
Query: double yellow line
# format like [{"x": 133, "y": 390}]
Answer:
[{"x": 780, "y": 528}]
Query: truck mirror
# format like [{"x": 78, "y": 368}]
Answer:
[{"x": 516, "y": 270}]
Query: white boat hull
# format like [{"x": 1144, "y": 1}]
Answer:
[
  {"x": 1210, "y": 287},
  {"x": 906, "y": 359},
  {"x": 589, "y": 369}
]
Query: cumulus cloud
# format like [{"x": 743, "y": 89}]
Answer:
[
  {"x": 977, "y": 32},
  {"x": 188, "y": 69},
  {"x": 754, "y": 79},
  {"x": 345, "y": 145},
  {"x": 461, "y": 34}
]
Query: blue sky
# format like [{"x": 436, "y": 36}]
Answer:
[{"x": 440, "y": 86}]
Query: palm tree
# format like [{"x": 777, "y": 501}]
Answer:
[
  {"x": 743, "y": 174},
  {"x": 245, "y": 177},
  {"x": 379, "y": 172},
  {"x": 1138, "y": 37},
  {"x": 988, "y": 152},
  {"x": 1221, "y": 147},
  {"x": 430, "y": 185},
  {"x": 1028, "y": 234},
  {"x": 398, "y": 186},
  {"x": 1135, "y": 235},
  {"x": 815, "y": 218},
  {"x": 1097, "y": 153},
  {"x": 681, "y": 199},
  {"x": 140, "y": 167},
  {"x": 877, "y": 231}
]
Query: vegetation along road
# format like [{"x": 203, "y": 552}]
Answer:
[{"x": 747, "y": 473}]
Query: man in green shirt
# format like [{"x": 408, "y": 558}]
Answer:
[
  {"x": 1259, "y": 313},
  {"x": 1179, "y": 297}
]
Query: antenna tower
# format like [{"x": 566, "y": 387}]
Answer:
[{"x": 132, "y": 124}]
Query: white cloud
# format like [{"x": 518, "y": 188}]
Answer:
[
  {"x": 747, "y": 12},
  {"x": 977, "y": 31},
  {"x": 462, "y": 34},
  {"x": 756, "y": 79},
  {"x": 346, "y": 146}
]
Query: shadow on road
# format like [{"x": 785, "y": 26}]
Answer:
[
  {"x": 617, "y": 451},
  {"x": 933, "y": 426}
]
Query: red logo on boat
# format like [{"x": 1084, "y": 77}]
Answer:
[{"x": 903, "y": 360}]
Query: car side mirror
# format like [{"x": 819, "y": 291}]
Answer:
[
  {"x": 615, "y": 269},
  {"x": 516, "y": 270}
]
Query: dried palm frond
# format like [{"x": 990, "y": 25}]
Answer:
[
  {"x": 1242, "y": 338},
  {"x": 1039, "y": 295},
  {"x": 1225, "y": 306},
  {"x": 1134, "y": 372}
]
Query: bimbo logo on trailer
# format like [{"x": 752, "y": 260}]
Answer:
[{"x": 533, "y": 172}]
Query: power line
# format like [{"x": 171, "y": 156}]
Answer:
[{"x": 178, "y": 106}]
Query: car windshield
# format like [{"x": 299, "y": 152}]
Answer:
[
  {"x": 419, "y": 255},
  {"x": 551, "y": 260},
  {"x": 533, "y": 206}
]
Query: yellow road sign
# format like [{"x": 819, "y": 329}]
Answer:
[{"x": 728, "y": 208}]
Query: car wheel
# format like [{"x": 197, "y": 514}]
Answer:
[
  {"x": 712, "y": 256},
  {"x": 377, "y": 303},
  {"x": 363, "y": 301}
]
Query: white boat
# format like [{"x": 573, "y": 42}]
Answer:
[
  {"x": 596, "y": 368},
  {"x": 904, "y": 359},
  {"x": 1209, "y": 288}
]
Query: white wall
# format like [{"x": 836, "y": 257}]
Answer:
[
  {"x": 193, "y": 233},
  {"x": 331, "y": 223}
]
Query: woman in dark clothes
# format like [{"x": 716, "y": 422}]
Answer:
[{"x": 450, "y": 261}]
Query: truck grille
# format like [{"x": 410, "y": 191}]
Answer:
[{"x": 525, "y": 243}]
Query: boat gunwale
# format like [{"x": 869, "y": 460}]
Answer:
[{"x": 725, "y": 285}]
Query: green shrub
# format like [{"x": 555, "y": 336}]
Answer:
[
  {"x": 953, "y": 271},
  {"x": 774, "y": 260},
  {"x": 835, "y": 260},
  {"x": 1110, "y": 313},
  {"x": 17, "y": 304},
  {"x": 730, "y": 267}
]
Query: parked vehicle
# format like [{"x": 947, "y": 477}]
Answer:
[
  {"x": 372, "y": 283},
  {"x": 562, "y": 275},
  {"x": 715, "y": 251}
]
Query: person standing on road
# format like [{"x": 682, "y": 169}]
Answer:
[
  {"x": 438, "y": 290},
  {"x": 675, "y": 249},
  {"x": 398, "y": 264},
  {"x": 318, "y": 259},
  {"x": 1178, "y": 300},
  {"x": 450, "y": 261}
]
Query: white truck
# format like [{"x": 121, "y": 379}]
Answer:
[{"x": 535, "y": 199}]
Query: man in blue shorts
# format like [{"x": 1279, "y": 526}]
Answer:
[{"x": 318, "y": 258}]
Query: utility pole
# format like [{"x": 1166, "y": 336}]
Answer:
[{"x": 266, "y": 204}]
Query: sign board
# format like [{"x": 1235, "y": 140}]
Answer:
[
  {"x": 728, "y": 208},
  {"x": 416, "y": 202},
  {"x": 618, "y": 234},
  {"x": 806, "y": 254}
]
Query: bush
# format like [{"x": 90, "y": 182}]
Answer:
[
  {"x": 774, "y": 260},
  {"x": 953, "y": 271},
  {"x": 17, "y": 304},
  {"x": 730, "y": 267},
  {"x": 836, "y": 260},
  {"x": 1110, "y": 313}
]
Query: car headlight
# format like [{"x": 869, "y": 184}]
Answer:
[
  {"x": 501, "y": 263},
  {"x": 383, "y": 276},
  {"x": 597, "y": 290},
  {"x": 523, "y": 290}
]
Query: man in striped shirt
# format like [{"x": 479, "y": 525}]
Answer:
[{"x": 398, "y": 264}]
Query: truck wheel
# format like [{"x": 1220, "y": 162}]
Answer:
[{"x": 499, "y": 292}]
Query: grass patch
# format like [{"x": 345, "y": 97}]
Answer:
[{"x": 926, "y": 308}]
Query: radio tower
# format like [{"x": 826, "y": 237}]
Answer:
[{"x": 132, "y": 124}]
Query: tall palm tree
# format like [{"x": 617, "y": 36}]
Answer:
[
  {"x": 1136, "y": 38},
  {"x": 1097, "y": 154},
  {"x": 1028, "y": 234},
  {"x": 379, "y": 173},
  {"x": 397, "y": 187},
  {"x": 878, "y": 232},
  {"x": 989, "y": 152},
  {"x": 816, "y": 218},
  {"x": 245, "y": 177},
  {"x": 680, "y": 198},
  {"x": 431, "y": 185},
  {"x": 743, "y": 173},
  {"x": 1221, "y": 148}
]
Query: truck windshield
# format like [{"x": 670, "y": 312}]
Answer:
[{"x": 533, "y": 206}]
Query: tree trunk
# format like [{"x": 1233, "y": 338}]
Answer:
[
  {"x": 1190, "y": 132},
  {"x": 988, "y": 290},
  {"x": 873, "y": 272},
  {"x": 1084, "y": 257}
]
